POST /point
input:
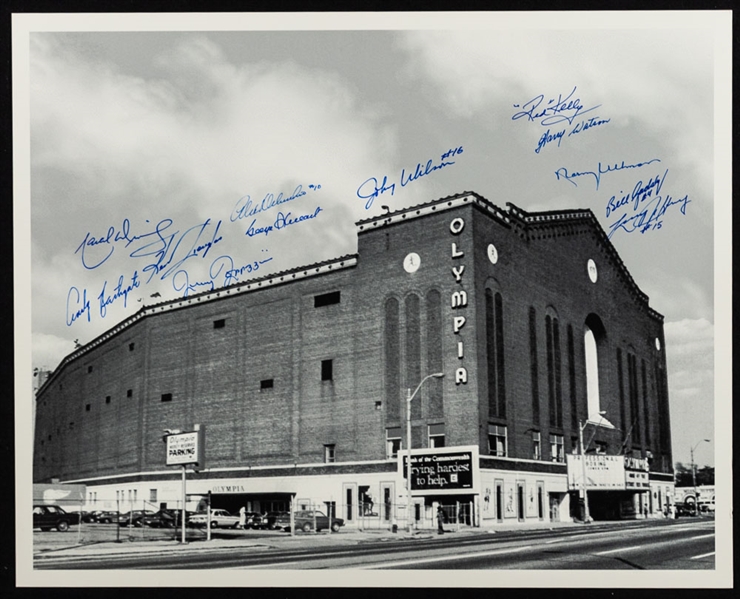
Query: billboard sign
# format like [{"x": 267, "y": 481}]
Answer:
[
  {"x": 603, "y": 472},
  {"x": 441, "y": 471},
  {"x": 185, "y": 448}
]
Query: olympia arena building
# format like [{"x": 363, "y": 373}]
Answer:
[{"x": 300, "y": 380}]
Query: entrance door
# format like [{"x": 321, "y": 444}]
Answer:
[
  {"x": 554, "y": 507},
  {"x": 387, "y": 511},
  {"x": 349, "y": 500},
  {"x": 520, "y": 501}
]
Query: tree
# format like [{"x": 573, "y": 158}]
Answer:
[{"x": 704, "y": 475}]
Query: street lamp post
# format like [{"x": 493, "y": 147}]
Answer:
[
  {"x": 409, "y": 397},
  {"x": 693, "y": 473},
  {"x": 581, "y": 426}
]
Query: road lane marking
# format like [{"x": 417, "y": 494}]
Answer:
[
  {"x": 551, "y": 542},
  {"x": 699, "y": 537},
  {"x": 703, "y": 555},
  {"x": 444, "y": 558},
  {"x": 620, "y": 549}
]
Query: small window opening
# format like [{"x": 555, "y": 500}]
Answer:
[
  {"x": 166, "y": 396},
  {"x": 330, "y": 453},
  {"x": 89, "y": 369},
  {"x": 129, "y": 392},
  {"x": 326, "y": 299},
  {"x": 327, "y": 370},
  {"x": 87, "y": 407},
  {"x": 219, "y": 324},
  {"x": 130, "y": 347},
  {"x": 107, "y": 399},
  {"x": 267, "y": 384}
]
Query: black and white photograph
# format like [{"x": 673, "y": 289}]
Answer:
[{"x": 324, "y": 299}]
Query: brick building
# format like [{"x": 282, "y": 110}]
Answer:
[{"x": 301, "y": 379}]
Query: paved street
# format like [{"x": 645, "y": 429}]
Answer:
[{"x": 652, "y": 545}]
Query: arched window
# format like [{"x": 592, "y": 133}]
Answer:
[{"x": 592, "y": 374}]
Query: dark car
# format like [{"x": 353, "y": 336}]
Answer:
[
  {"x": 253, "y": 520},
  {"x": 84, "y": 516},
  {"x": 685, "y": 509},
  {"x": 162, "y": 519},
  {"x": 305, "y": 520},
  {"x": 268, "y": 520},
  {"x": 47, "y": 517},
  {"x": 133, "y": 518},
  {"x": 105, "y": 517}
]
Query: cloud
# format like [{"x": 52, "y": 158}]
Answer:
[
  {"x": 690, "y": 362},
  {"x": 657, "y": 82},
  {"x": 186, "y": 143}
]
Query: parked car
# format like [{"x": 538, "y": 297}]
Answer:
[
  {"x": 162, "y": 519},
  {"x": 105, "y": 517},
  {"x": 268, "y": 519},
  {"x": 685, "y": 509},
  {"x": 83, "y": 515},
  {"x": 47, "y": 517},
  {"x": 253, "y": 520},
  {"x": 133, "y": 517},
  {"x": 304, "y": 520},
  {"x": 219, "y": 519}
]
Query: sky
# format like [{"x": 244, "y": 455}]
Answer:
[{"x": 186, "y": 132}]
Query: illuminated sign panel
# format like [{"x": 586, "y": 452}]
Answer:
[
  {"x": 608, "y": 473},
  {"x": 440, "y": 471}
]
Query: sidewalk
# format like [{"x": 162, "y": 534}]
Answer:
[{"x": 225, "y": 540}]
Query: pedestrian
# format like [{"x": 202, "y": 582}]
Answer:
[
  {"x": 440, "y": 520},
  {"x": 242, "y": 517}
]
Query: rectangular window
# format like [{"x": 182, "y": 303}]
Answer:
[
  {"x": 497, "y": 440},
  {"x": 219, "y": 324},
  {"x": 87, "y": 407},
  {"x": 153, "y": 495},
  {"x": 107, "y": 399},
  {"x": 327, "y": 370},
  {"x": 130, "y": 347},
  {"x": 436, "y": 435},
  {"x": 536, "y": 445},
  {"x": 557, "y": 449},
  {"x": 89, "y": 369},
  {"x": 267, "y": 384},
  {"x": 166, "y": 396},
  {"x": 326, "y": 299},
  {"x": 392, "y": 442},
  {"x": 129, "y": 393},
  {"x": 601, "y": 447},
  {"x": 330, "y": 453}
]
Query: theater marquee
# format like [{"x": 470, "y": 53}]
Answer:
[{"x": 442, "y": 471}]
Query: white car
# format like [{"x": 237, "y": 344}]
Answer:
[{"x": 219, "y": 519}]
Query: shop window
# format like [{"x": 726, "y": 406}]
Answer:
[
  {"x": 557, "y": 450},
  {"x": 367, "y": 505},
  {"x": 497, "y": 440},
  {"x": 327, "y": 370},
  {"x": 326, "y": 299},
  {"x": 392, "y": 442},
  {"x": 166, "y": 396},
  {"x": 536, "y": 445},
  {"x": 436, "y": 435},
  {"x": 267, "y": 384},
  {"x": 330, "y": 454},
  {"x": 219, "y": 324}
]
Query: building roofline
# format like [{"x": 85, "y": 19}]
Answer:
[{"x": 248, "y": 286}]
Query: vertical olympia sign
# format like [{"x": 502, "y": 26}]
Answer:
[{"x": 458, "y": 300}]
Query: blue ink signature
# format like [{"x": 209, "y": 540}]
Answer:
[
  {"x": 554, "y": 112},
  {"x": 281, "y": 221},
  {"x": 114, "y": 236},
  {"x": 642, "y": 221},
  {"x": 78, "y": 311},
  {"x": 371, "y": 189},
  {"x": 221, "y": 265},
  {"x": 171, "y": 250},
  {"x": 244, "y": 208},
  {"x": 547, "y": 138},
  {"x": 586, "y": 125},
  {"x": 645, "y": 217},
  {"x": 562, "y": 172},
  {"x": 119, "y": 291}
]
